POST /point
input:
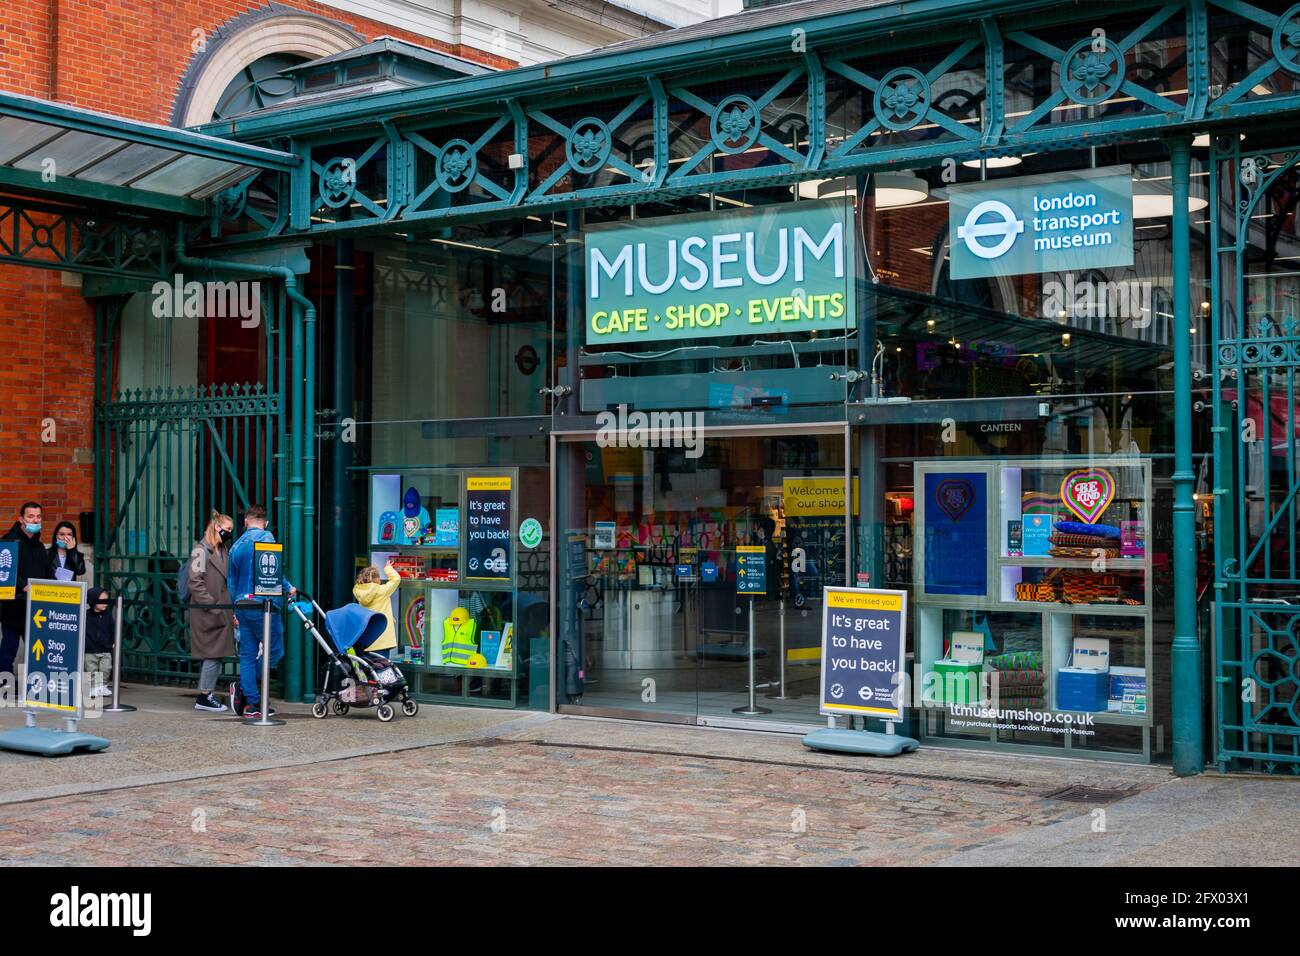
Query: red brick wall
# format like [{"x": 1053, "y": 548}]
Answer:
[
  {"x": 118, "y": 56},
  {"x": 48, "y": 372}
]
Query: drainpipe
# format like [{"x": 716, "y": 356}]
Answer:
[
  {"x": 1189, "y": 757},
  {"x": 298, "y": 548}
]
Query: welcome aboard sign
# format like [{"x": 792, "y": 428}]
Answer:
[{"x": 767, "y": 270}]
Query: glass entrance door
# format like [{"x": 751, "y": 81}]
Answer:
[{"x": 692, "y": 583}]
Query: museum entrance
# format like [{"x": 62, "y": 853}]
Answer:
[{"x": 692, "y": 575}]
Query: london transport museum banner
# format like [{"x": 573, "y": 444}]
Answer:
[
  {"x": 1058, "y": 222},
  {"x": 752, "y": 271}
]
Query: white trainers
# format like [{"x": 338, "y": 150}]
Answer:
[{"x": 103, "y": 690}]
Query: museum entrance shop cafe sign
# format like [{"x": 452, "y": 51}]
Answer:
[
  {"x": 1060, "y": 222},
  {"x": 770, "y": 270},
  {"x": 54, "y": 632}
]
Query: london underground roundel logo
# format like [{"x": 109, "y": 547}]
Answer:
[{"x": 1004, "y": 227}]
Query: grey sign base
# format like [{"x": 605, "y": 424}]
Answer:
[
  {"x": 859, "y": 742},
  {"x": 50, "y": 743}
]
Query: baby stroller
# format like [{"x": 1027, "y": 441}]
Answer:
[{"x": 359, "y": 679}]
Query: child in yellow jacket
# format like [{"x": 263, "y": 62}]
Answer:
[{"x": 377, "y": 596}]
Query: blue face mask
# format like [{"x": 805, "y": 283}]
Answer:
[
  {"x": 32, "y": 528},
  {"x": 63, "y": 544}
]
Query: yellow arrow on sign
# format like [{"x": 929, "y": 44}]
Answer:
[
  {"x": 38, "y": 649},
  {"x": 39, "y": 617}
]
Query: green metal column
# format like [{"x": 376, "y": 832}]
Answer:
[
  {"x": 294, "y": 546},
  {"x": 871, "y": 488},
  {"x": 309, "y": 434},
  {"x": 342, "y": 517},
  {"x": 1189, "y": 754}
]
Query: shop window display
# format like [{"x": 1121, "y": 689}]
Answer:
[
  {"x": 449, "y": 533},
  {"x": 1056, "y": 651}
]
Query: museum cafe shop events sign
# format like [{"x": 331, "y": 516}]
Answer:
[{"x": 769, "y": 270}]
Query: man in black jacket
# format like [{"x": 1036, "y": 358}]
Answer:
[{"x": 33, "y": 562}]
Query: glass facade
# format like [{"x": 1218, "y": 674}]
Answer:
[{"x": 477, "y": 354}]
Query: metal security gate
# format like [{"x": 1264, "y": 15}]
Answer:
[
  {"x": 164, "y": 459},
  {"x": 1256, "y": 357}
]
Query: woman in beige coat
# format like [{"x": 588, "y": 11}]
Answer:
[{"x": 212, "y": 629}]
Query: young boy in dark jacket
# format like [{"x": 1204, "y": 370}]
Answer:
[{"x": 99, "y": 642}]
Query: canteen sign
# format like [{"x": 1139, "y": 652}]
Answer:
[
  {"x": 771, "y": 270},
  {"x": 1060, "y": 222}
]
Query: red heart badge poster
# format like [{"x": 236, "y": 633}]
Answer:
[{"x": 1088, "y": 492}]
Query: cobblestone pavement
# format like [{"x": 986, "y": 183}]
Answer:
[{"x": 587, "y": 792}]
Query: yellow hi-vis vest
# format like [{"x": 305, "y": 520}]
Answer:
[{"x": 458, "y": 642}]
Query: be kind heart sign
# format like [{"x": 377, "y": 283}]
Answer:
[{"x": 1088, "y": 492}]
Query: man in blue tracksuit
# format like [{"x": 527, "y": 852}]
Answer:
[{"x": 246, "y": 694}]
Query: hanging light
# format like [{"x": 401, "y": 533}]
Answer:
[
  {"x": 837, "y": 188},
  {"x": 899, "y": 189},
  {"x": 1203, "y": 140},
  {"x": 995, "y": 162},
  {"x": 1154, "y": 199}
]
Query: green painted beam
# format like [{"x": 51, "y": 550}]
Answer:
[
  {"x": 600, "y": 69},
  {"x": 29, "y": 182},
  {"x": 150, "y": 134}
]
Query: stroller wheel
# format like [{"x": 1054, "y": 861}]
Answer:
[
  {"x": 340, "y": 708},
  {"x": 385, "y": 712},
  {"x": 319, "y": 709},
  {"x": 410, "y": 707}
]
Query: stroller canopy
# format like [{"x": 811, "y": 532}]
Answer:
[{"x": 354, "y": 625}]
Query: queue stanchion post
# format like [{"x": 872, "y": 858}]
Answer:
[
  {"x": 780, "y": 688},
  {"x": 751, "y": 709},
  {"x": 118, "y": 707},
  {"x": 266, "y": 720}
]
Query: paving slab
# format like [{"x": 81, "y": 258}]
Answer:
[
  {"x": 166, "y": 739},
  {"x": 538, "y": 790}
]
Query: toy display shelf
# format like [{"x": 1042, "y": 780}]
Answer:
[
  {"x": 1049, "y": 561},
  {"x": 449, "y": 684},
  {"x": 441, "y": 684},
  {"x": 1057, "y": 632},
  {"x": 1058, "y": 620}
]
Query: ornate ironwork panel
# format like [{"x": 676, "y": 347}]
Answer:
[
  {"x": 1256, "y": 364},
  {"x": 51, "y": 237}
]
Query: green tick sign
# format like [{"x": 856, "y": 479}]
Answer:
[
  {"x": 770, "y": 270},
  {"x": 1060, "y": 222},
  {"x": 530, "y": 533}
]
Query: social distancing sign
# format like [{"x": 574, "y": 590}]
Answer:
[{"x": 863, "y": 646}]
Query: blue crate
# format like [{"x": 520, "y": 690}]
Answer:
[{"x": 1082, "y": 690}]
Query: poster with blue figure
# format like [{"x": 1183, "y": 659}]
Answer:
[{"x": 956, "y": 533}]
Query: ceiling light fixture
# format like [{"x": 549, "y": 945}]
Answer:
[
  {"x": 899, "y": 189},
  {"x": 1154, "y": 199},
  {"x": 995, "y": 162}
]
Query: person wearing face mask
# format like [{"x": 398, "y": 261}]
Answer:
[
  {"x": 66, "y": 562},
  {"x": 212, "y": 628},
  {"x": 33, "y": 562}
]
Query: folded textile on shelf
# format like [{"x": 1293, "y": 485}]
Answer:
[
  {"x": 1017, "y": 660},
  {"x": 1088, "y": 530}
]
